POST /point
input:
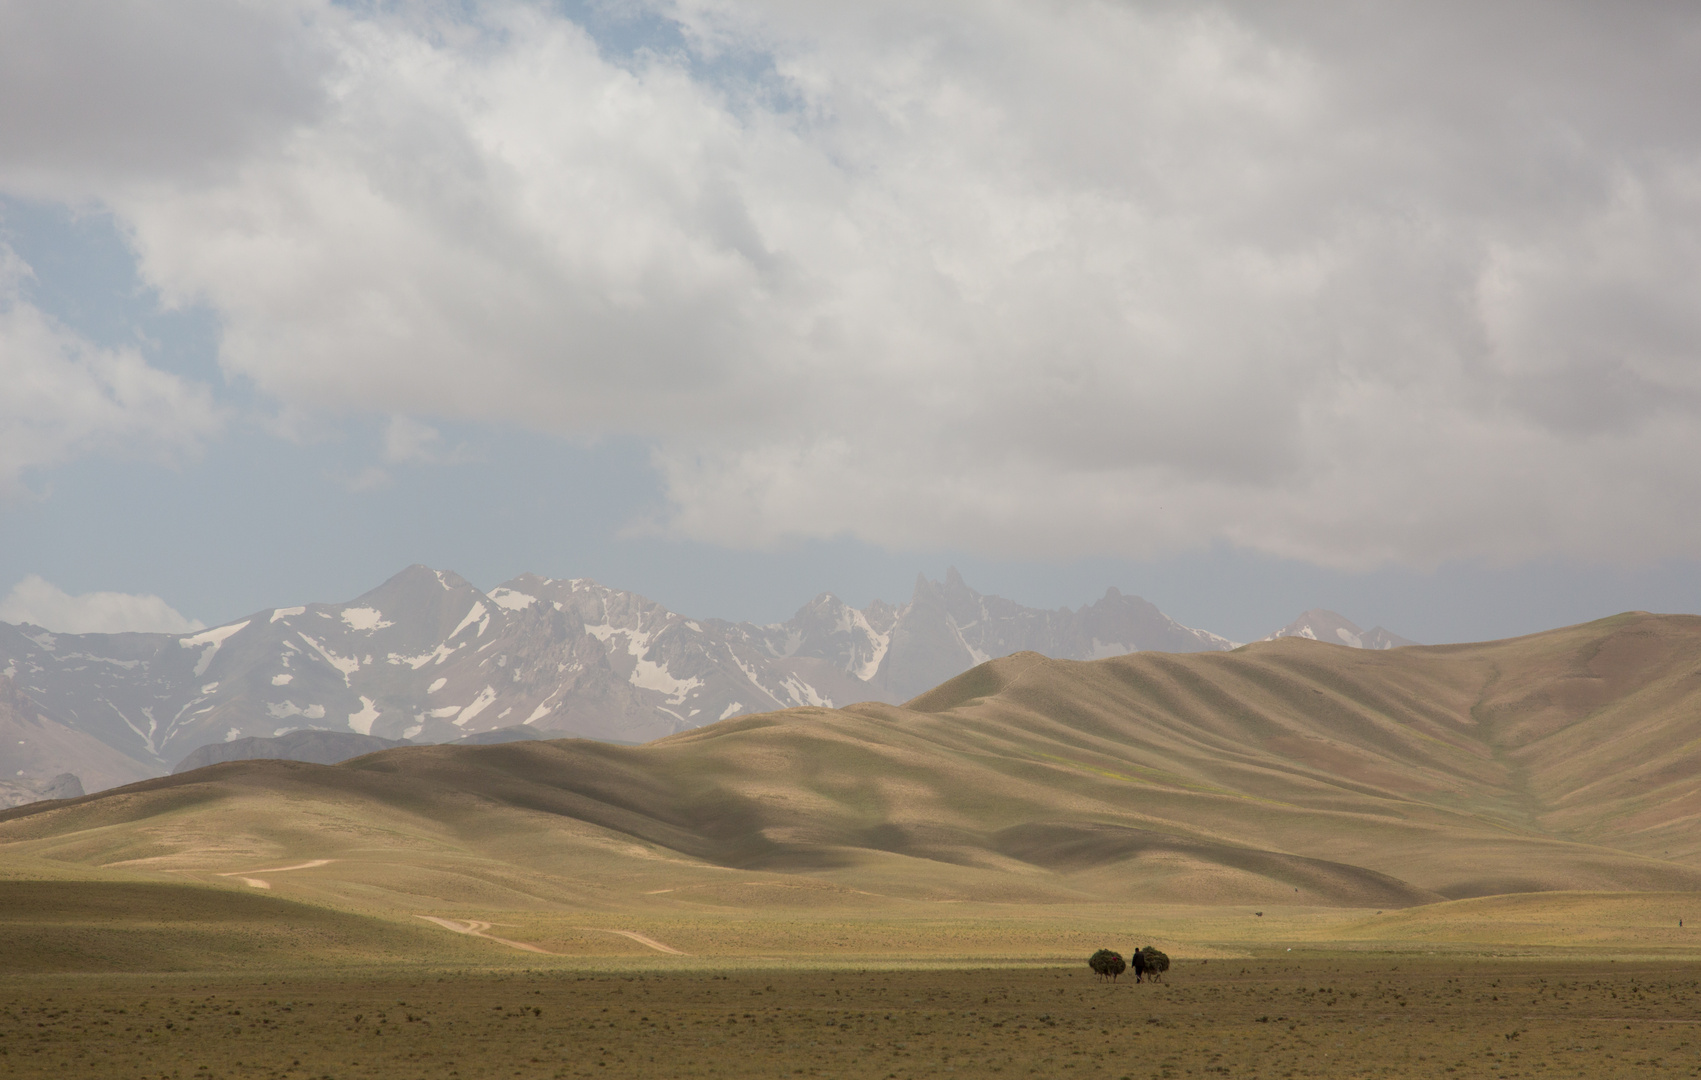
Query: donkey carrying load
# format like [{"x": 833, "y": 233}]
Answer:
[
  {"x": 1149, "y": 964},
  {"x": 1104, "y": 962}
]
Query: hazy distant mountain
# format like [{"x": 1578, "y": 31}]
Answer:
[
  {"x": 1319, "y": 624},
  {"x": 318, "y": 747},
  {"x": 38, "y": 750},
  {"x": 948, "y": 628},
  {"x": 427, "y": 657}
]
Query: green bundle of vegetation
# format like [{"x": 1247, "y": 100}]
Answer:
[
  {"x": 1150, "y": 964},
  {"x": 1104, "y": 962}
]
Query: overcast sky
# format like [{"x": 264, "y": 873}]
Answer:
[{"x": 1388, "y": 307}]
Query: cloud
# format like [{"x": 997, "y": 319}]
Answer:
[
  {"x": 411, "y": 441},
  {"x": 407, "y": 441},
  {"x": 62, "y": 397},
  {"x": 108, "y": 93},
  {"x": 1390, "y": 286},
  {"x": 370, "y": 478},
  {"x": 41, "y": 603}
]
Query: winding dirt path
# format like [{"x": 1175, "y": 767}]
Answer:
[
  {"x": 475, "y": 928},
  {"x": 479, "y": 929},
  {"x": 261, "y": 883},
  {"x": 639, "y": 938}
]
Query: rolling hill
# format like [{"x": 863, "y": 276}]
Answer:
[{"x": 1288, "y": 771}]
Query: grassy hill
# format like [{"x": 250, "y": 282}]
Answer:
[
  {"x": 1288, "y": 773},
  {"x": 118, "y": 926}
]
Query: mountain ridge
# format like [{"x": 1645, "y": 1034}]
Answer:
[
  {"x": 1287, "y": 771},
  {"x": 427, "y": 656},
  {"x": 1321, "y": 624}
]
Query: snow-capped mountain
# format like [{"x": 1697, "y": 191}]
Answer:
[
  {"x": 1319, "y": 624},
  {"x": 428, "y": 657}
]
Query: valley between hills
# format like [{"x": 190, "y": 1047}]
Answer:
[{"x": 1535, "y": 793}]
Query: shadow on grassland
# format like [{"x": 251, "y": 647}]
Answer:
[{"x": 67, "y": 926}]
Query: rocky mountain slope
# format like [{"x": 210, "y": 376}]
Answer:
[
  {"x": 37, "y": 751},
  {"x": 427, "y": 657}
]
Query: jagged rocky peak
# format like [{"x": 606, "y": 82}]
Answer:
[
  {"x": 961, "y": 601},
  {"x": 829, "y": 629},
  {"x": 1321, "y": 624}
]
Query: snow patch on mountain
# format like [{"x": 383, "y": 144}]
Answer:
[
  {"x": 478, "y": 705},
  {"x": 365, "y": 618},
  {"x": 649, "y": 676},
  {"x": 361, "y": 722},
  {"x": 209, "y": 641},
  {"x": 878, "y": 644},
  {"x": 348, "y": 665},
  {"x": 280, "y": 710},
  {"x": 511, "y": 600},
  {"x": 477, "y": 614}
]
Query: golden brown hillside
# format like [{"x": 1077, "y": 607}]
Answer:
[{"x": 1285, "y": 772}]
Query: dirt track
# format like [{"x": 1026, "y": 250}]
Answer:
[
  {"x": 261, "y": 883},
  {"x": 640, "y": 939},
  {"x": 475, "y": 928}
]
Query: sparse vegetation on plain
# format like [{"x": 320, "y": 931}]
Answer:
[{"x": 1331, "y": 1017}]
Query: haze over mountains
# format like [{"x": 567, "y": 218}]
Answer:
[
  {"x": 428, "y": 657},
  {"x": 1319, "y": 624},
  {"x": 1289, "y": 771}
]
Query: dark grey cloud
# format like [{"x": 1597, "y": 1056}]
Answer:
[{"x": 114, "y": 91}]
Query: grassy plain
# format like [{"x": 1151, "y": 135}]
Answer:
[
  {"x": 184, "y": 982},
  {"x": 1333, "y": 1017}
]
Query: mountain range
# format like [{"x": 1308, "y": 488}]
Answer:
[
  {"x": 427, "y": 657},
  {"x": 1320, "y": 624},
  {"x": 1289, "y": 772}
]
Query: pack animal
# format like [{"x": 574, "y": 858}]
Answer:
[
  {"x": 1149, "y": 964},
  {"x": 1104, "y": 962}
]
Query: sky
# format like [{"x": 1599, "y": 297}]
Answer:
[{"x": 1391, "y": 308}]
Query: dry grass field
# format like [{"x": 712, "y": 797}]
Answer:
[{"x": 1273, "y": 1018}]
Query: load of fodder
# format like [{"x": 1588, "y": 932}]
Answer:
[
  {"x": 1104, "y": 962},
  {"x": 1150, "y": 964}
]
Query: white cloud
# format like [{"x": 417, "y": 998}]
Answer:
[
  {"x": 41, "y": 603},
  {"x": 407, "y": 439},
  {"x": 1399, "y": 285},
  {"x": 411, "y": 441},
  {"x": 370, "y": 478},
  {"x": 62, "y": 397}
]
